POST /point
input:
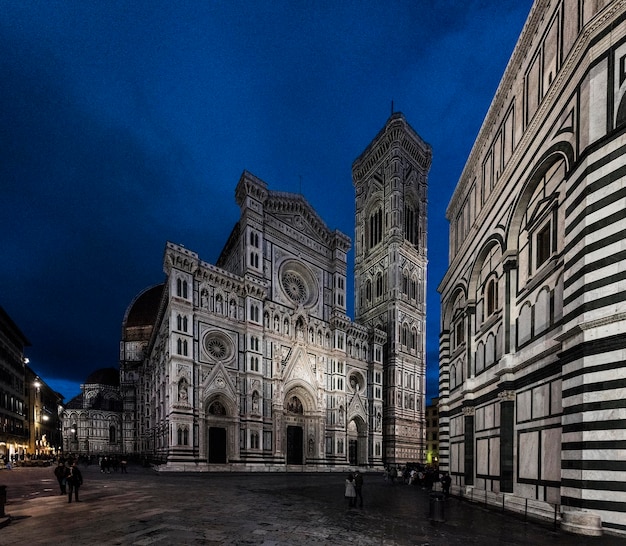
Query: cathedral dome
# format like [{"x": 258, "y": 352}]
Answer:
[
  {"x": 104, "y": 376},
  {"x": 144, "y": 308}
]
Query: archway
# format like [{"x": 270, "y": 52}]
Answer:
[
  {"x": 219, "y": 431},
  {"x": 295, "y": 430},
  {"x": 357, "y": 442}
]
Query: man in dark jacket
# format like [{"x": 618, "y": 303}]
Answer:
[
  {"x": 446, "y": 480},
  {"x": 61, "y": 472},
  {"x": 74, "y": 481},
  {"x": 358, "y": 486}
]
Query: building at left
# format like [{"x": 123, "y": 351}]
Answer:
[{"x": 29, "y": 408}]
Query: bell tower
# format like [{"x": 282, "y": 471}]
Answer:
[{"x": 390, "y": 182}]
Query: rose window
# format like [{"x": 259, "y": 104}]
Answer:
[
  {"x": 298, "y": 283},
  {"x": 218, "y": 346},
  {"x": 294, "y": 287}
]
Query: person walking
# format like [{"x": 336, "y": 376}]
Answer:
[
  {"x": 61, "y": 471},
  {"x": 350, "y": 492},
  {"x": 446, "y": 480},
  {"x": 358, "y": 488},
  {"x": 74, "y": 481}
]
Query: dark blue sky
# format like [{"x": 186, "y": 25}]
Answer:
[{"x": 127, "y": 124}]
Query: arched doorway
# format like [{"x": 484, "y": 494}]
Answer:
[
  {"x": 217, "y": 448},
  {"x": 357, "y": 442},
  {"x": 295, "y": 430}
]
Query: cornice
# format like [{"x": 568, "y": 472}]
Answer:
[
  {"x": 292, "y": 203},
  {"x": 512, "y": 71},
  {"x": 396, "y": 132}
]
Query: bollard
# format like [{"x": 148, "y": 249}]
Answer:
[
  {"x": 3, "y": 499},
  {"x": 437, "y": 505}
]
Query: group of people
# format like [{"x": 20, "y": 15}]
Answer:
[
  {"x": 70, "y": 478},
  {"x": 422, "y": 475},
  {"x": 354, "y": 489},
  {"x": 425, "y": 476},
  {"x": 107, "y": 463}
]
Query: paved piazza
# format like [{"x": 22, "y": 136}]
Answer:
[{"x": 143, "y": 508}]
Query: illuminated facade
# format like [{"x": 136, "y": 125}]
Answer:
[
  {"x": 534, "y": 302},
  {"x": 253, "y": 363}
]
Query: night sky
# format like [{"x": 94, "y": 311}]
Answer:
[{"x": 124, "y": 125}]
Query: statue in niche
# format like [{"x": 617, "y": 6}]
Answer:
[
  {"x": 310, "y": 446},
  {"x": 255, "y": 402},
  {"x": 182, "y": 391},
  {"x": 378, "y": 421},
  {"x": 218, "y": 304},
  {"x": 341, "y": 412},
  {"x": 233, "y": 309},
  {"x": 204, "y": 299}
]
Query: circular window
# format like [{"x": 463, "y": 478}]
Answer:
[
  {"x": 218, "y": 346},
  {"x": 294, "y": 287},
  {"x": 298, "y": 283}
]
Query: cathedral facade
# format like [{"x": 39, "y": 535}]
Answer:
[
  {"x": 253, "y": 362},
  {"x": 532, "y": 340}
]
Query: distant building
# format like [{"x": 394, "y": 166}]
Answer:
[
  {"x": 432, "y": 432},
  {"x": 92, "y": 421},
  {"x": 534, "y": 301},
  {"x": 13, "y": 404},
  {"x": 253, "y": 362}
]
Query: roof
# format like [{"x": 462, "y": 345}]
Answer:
[
  {"x": 144, "y": 308},
  {"x": 104, "y": 376}
]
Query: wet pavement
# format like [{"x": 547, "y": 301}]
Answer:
[{"x": 143, "y": 507}]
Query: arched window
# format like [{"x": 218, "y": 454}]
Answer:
[
  {"x": 491, "y": 297},
  {"x": 375, "y": 228},
  {"x": 181, "y": 288},
  {"x": 112, "y": 434},
  {"x": 411, "y": 225},
  {"x": 368, "y": 290},
  {"x": 379, "y": 285},
  {"x": 480, "y": 357}
]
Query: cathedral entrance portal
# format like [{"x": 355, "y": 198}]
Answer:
[
  {"x": 217, "y": 445},
  {"x": 295, "y": 450},
  {"x": 352, "y": 451},
  {"x": 357, "y": 442}
]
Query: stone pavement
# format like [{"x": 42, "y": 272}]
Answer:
[{"x": 143, "y": 507}]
